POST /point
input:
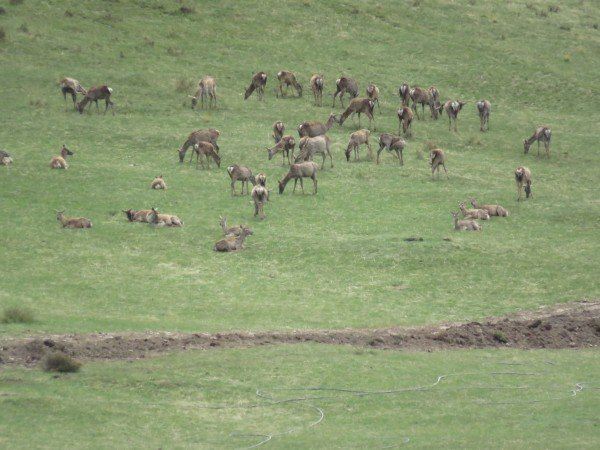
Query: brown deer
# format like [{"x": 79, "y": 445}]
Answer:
[
  {"x": 316, "y": 85},
  {"x": 419, "y": 96},
  {"x": 161, "y": 220},
  {"x": 373, "y": 94},
  {"x": 158, "y": 183},
  {"x": 345, "y": 85},
  {"x": 95, "y": 94},
  {"x": 73, "y": 87},
  {"x": 404, "y": 93},
  {"x": 72, "y": 222},
  {"x": 232, "y": 243},
  {"x": 358, "y": 106},
  {"x": 5, "y": 158},
  {"x": 465, "y": 225},
  {"x": 435, "y": 106},
  {"x": 260, "y": 196},
  {"x": 284, "y": 146},
  {"x": 473, "y": 213},
  {"x": 357, "y": 139},
  {"x": 523, "y": 180},
  {"x": 452, "y": 108},
  {"x": 207, "y": 87},
  {"x": 240, "y": 173},
  {"x": 541, "y": 134},
  {"x": 60, "y": 162},
  {"x": 405, "y": 118},
  {"x": 391, "y": 143},
  {"x": 204, "y": 150},
  {"x": 314, "y": 129},
  {"x": 309, "y": 147},
  {"x": 493, "y": 210},
  {"x": 210, "y": 135},
  {"x": 288, "y": 79},
  {"x": 232, "y": 231},
  {"x": 299, "y": 171},
  {"x": 258, "y": 83},
  {"x": 484, "y": 108},
  {"x": 141, "y": 215},
  {"x": 278, "y": 129},
  {"x": 437, "y": 159}
]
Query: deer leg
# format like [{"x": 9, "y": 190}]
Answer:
[
  {"x": 295, "y": 183},
  {"x": 455, "y": 123},
  {"x": 370, "y": 151},
  {"x": 232, "y": 187},
  {"x": 74, "y": 97},
  {"x": 400, "y": 157},
  {"x": 330, "y": 158},
  {"x": 314, "y": 178},
  {"x": 378, "y": 106},
  {"x": 449, "y": 123},
  {"x": 444, "y": 166},
  {"x": 302, "y": 185},
  {"x": 379, "y": 153}
]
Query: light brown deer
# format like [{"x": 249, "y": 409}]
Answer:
[
  {"x": 316, "y": 85},
  {"x": 309, "y": 147},
  {"x": 404, "y": 93},
  {"x": 232, "y": 231},
  {"x": 484, "y": 108},
  {"x": 523, "y": 180},
  {"x": 232, "y": 243},
  {"x": 465, "y": 225},
  {"x": 452, "y": 108},
  {"x": 73, "y": 87},
  {"x": 240, "y": 173},
  {"x": 258, "y": 83},
  {"x": 437, "y": 159},
  {"x": 207, "y": 87},
  {"x": 299, "y": 171},
  {"x": 158, "y": 183},
  {"x": 161, "y": 220},
  {"x": 95, "y": 94},
  {"x": 314, "y": 128},
  {"x": 285, "y": 145},
  {"x": 358, "y": 138},
  {"x": 420, "y": 96},
  {"x": 391, "y": 143},
  {"x": 278, "y": 129},
  {"x": 359, "y": 106},
  {"x": 345, "y": 85},
  {"x": 5, "y": 158},
  {"x": 72, "y": 222},
  {"x": 60, "y": 162},
  {"x": 541, "y": 134},
  {"x": 481, "y": 214},
  {"x": 210, "y": 135},
  {"x": 493, "y": 210},
  {"x": 435, "y": 107},
  {"x": 287, "y": 79},
  {"x": 141, "y": 215},
  {"x": 405, "y": 118},
  {"x": 205, "y": 150},
  {"x": 373, "y": 94}
]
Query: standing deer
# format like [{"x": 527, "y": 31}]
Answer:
[
  {"x": 541, "y": 134},
  {"x": 437, "y": 158},
  {"x": 435, "y": 106},
  {"x": 95, "y": 94},
  {"x": 73, "y": 87},
  {"x": 523, "y": 179},
  {"x": 373, "y": 94},
  {"x": 288, "y": 79},
  {"x": 297, "y": 172},
  {"x": 314, "y": 129},
  {"x": 258, "y": 83},
  {"x": 391, "y": 142},
  {"x": 60, "y": 162},
  {"x": 309, "y": 147},
  {"x": 404, "y": 93},
  {"x": 204, "y": 150},
  {"x": 419, "y": 96},
  {"x": 260, "y": 195},
  {"x": 452, "y": 108},
  {"x": 284, "y": 146},
  {"x": 207, "y": 87},
  {"x": 209, "y": 135},
  {"x": 405, "y": 118},
  {"x": 278, "y": 129},
  {"x": 358, "y": 106},
  {"x": 72, "y": 222},
  {"x": 343, "y": 85},
  {"x": 484, "y": 108},
  {"x": 316, "y": 85},
  {"x": 240, "y": 173},
  {"x": 357, "y": 139}
]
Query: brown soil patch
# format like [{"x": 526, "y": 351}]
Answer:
[{"x": 574, "y": 325}]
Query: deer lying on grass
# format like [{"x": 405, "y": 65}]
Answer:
[
  {"x": 481, "y": 214},
  {"x": 278, "y": 129},
  {"x": 465, "y": 225},
  {"x": 158, "y": 183},
  {"x": 5, "y": 158},
  {"x": 240, "y": 173},
  {"x": 484, "y": 108},
  {"x": 452, "y": 108},
  {"x": 437, "y": 159},
  {"x": 541, "y": 134},
  {"x": 60, "y": 162},
  {"x": 493, "y": 210},
  {"x": 405, "y": 118},
  {"x": 288, "y": 79},
  {"x": 232, "y": 243},
  {"x": 373, "y": 94},
  {"x": 161, "y": 220},
  {"x": 95, "y": 94},
  {"x": 314, "y": 128},
  {"x": 316, "y": 86},
  {"x": 391, "y": 143},
  {"x": 345, "y": 85},
  {"x": 523, "y": 180},
  {"x": 233, "y": 231},
  {"x": 260, "y": 195},
  {"x": 297, "y": 172},
  {"x": 210, "y": 135},
  {"x": 284, "y": 146},
  {"x": 258, "y": 83},
  {"x": 73, "y": 87},
  {"x": 141, "y": 215},
  {"x": 404, "y": 93},
  {"x": 309, "y": 147},
  {"x": 205, "y": 150},
  {"x": 358, "y": 106},
  {"x": 357, "y": 139},
  {"x": 207, "y": 87},
  {"x": 72, "y": 222}
]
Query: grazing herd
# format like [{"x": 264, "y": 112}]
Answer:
[{"x": 313, "y": 141}]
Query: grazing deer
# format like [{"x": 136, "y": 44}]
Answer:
[
  {"x": 60, "y": 162},
  {"x": 284, "y": 146},
  {"x": 493, "y": 210},
  {"x": 73, "y": 87},
  {"x": 72, "y": 222},
  {"x": 405, "y": 118},
  {"x": 297, "y": 172},
  {"x": 158, "y": 183},
  {"x": 465, "y": 225},
  {"x": 343, "y": 85},
  {"x": 232, "y": 243},
  {"x": 141, "y": 215},
  {"x": 278, "y": 129},
  {"x": 437, "y": 159},
  {"x": 207, "y": 87},
  {"x": 357, "y": 139},
  {"x": 484, "y": 108},
  {"x": 404, "y": 93},
  {"x": 240, "y": 173},
  {"x": 5, "y": 158},
  {"x": 314, "y": 129},
  {"x": 373, "y": 94},
  {"x": 309, "y": 147},
  {"x": 288, "y": 79},
  {"x": 391, "y": 143},
  {"x": 95, "y": 94},
  {"x": 160, "y": 220},
  {"x": 232, "y": 231},
  {"x": 541, "y": 134},
  {"x": 210, "y": 135},
  {"x": 316, "y": 85},
  {"x": 473, "y": 213},
  {"x": 523, "y": 179},
  {"x": 260, "y": 196},
  {"x": 452, "y": 108},
  {"x": 206, "y": 150},
  {"x": 358, "y": 106},
  {"x": 258, "y": 83}
]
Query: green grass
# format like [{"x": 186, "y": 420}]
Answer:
[
  {"x": 489, "y": 399},
  {"x": 334, "y": 260}
]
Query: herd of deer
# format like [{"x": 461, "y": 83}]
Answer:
[{"x": 313, "y": 141}]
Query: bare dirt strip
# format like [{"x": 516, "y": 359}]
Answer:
[{"x": 572, "y": 325}]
